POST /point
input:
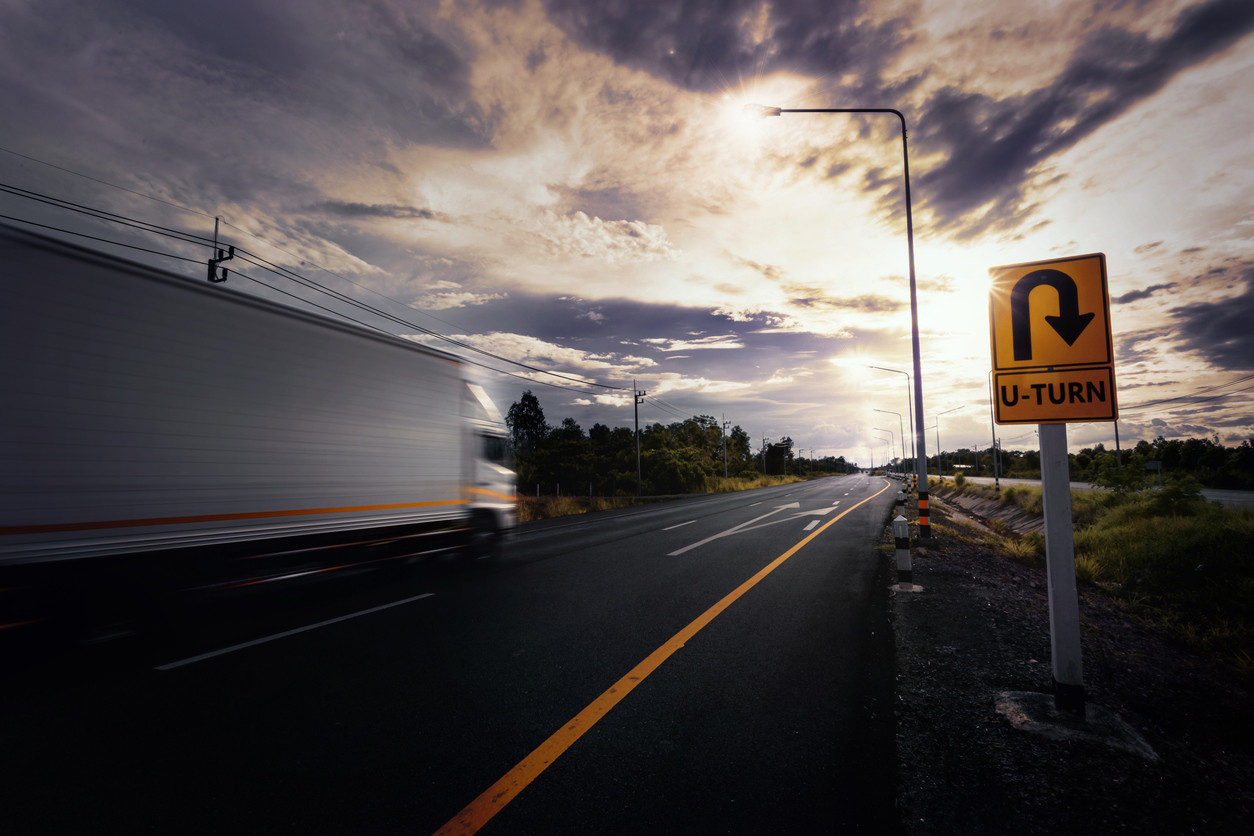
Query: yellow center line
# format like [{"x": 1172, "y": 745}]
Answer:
[{"x": 492, "y": 800}]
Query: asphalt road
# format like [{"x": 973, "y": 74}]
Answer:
[{"x": 715, "y": 665}]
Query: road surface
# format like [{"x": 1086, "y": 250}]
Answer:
[{"x": 715, "y": 665}]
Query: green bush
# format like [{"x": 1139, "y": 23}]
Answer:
[{"x": 1173, "y": 559}]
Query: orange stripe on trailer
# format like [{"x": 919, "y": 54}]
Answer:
[{"x": 200, "y": 518}]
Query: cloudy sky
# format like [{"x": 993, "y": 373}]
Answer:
[{"x": 572, "y": 185}]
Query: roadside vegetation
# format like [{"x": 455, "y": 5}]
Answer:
[
  {"x": 1166, "y": 555},
  {"x": 697, "y": 455},
  {"x": 545, "y": 507},
  {"x": 1144, "y": 463}
]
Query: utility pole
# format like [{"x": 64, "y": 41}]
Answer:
[
  {"x": 639, "y": 399},
  {"x": 724, "y": 445}
]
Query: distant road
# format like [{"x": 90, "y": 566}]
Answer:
[{"x": 1228, "y": 499}]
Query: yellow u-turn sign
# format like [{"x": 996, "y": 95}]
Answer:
[{"x": 1049, "y": 327}]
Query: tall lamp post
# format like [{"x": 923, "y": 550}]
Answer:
[
  {"x": 938, "y": 447},
  {"x": 902, "y": 429},
  {"x": 892, "y": 448},
  {"x": 925, "y": 528},
  {"x": 908, "y": 382}
]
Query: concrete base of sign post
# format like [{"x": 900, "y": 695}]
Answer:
[{"x": 1036, "y": 713}]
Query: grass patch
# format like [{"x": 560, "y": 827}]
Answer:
[
  {"x": 531, "y": 508},
  {"x": 718, "y": 484},
  {"x": 1185, "y": 567},
  {"x": 1173, "y": 560},
  {"x": 1028, "y": 549}
]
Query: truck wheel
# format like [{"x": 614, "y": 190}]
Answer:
[{"x": 485, "y": 540}]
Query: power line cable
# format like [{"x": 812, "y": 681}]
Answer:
[
  {"x": 253, "y": 258},
  {"x": 102, "y": 182},
  {"x": 102, "y": 240},
  {"x": 283, "y": 272},
  {"x": 1192, "y": 397},
  {"x": 105, "y": 215}
]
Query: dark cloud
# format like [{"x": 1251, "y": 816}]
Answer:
[
  {"x": 993, "y": 147},
  {"x": 708, "y": 45},
  {"x": 233, "y": 102},
  {"x": 373, "y": 210},
  {"x": 330, "y": 57},
  {"x": 869, "y": 304},
  {"x": 1220, "y": 331},
  {"x": 1134, "y": 295},
  {"x": 611, "y": 204},
  {"x": 1140, "y": 346},
  {"x": 767, "y": 271}
]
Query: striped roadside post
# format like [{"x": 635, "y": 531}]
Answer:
[
  {"x": 901, "y": 534},
  {"x": 899, "y": 507},
  {"x": 925, "y": 526}
]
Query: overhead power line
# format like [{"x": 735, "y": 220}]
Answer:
[
  {"x": 283, "y": 272},
  {"x": 103, "y": 182},
  {"x": 1193, "y": 398}
]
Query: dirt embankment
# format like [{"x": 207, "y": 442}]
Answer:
[
  {"x": 982, "y": 511},
  {"x": 980, "y": 628}
]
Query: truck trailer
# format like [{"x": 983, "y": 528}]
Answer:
[{"x": 163, "y": 437}]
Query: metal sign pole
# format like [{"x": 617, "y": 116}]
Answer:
[{"x": 1064, "y": 608}]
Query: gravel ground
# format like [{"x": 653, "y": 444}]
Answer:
[{"x": 979, "y": 628}]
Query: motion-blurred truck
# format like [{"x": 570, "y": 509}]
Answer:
[{"x": 162, "y": 437}]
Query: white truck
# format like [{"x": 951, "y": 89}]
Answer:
[{"x": 163, "y": 436}]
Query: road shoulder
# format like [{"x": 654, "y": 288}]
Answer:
[{"x": 980, "y": 628}]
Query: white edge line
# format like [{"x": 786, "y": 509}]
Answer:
[
  {"x": 681, "y": 525},
  {"x": 180, "y": 663}
]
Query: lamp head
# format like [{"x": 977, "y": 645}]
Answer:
[{"x": 761, "y": 111}]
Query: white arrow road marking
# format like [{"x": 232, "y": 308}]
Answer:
[{"x": 736, "y": 529}]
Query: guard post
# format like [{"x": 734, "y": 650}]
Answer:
[{"x": 901, "y": 535}]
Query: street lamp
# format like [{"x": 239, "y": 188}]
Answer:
[
  {"x": 925, "y": 528},
  {"x": 938, "y": 446},
  {"x": 901, "y": 426},
  {"x": 892, "y": 441},
  {"x": 907, "y": 374}
]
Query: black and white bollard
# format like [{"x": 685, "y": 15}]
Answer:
[
  {"x": 901, "y": 533},
  {"x": 900, "y": 507}
]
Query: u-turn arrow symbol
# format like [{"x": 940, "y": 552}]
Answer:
[{"x": 1069, "y": 323}]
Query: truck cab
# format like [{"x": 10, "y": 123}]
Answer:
[{"x": 493, "y": 483}]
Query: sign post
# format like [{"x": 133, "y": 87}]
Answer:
[{"x": 1053, "y": 364}]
